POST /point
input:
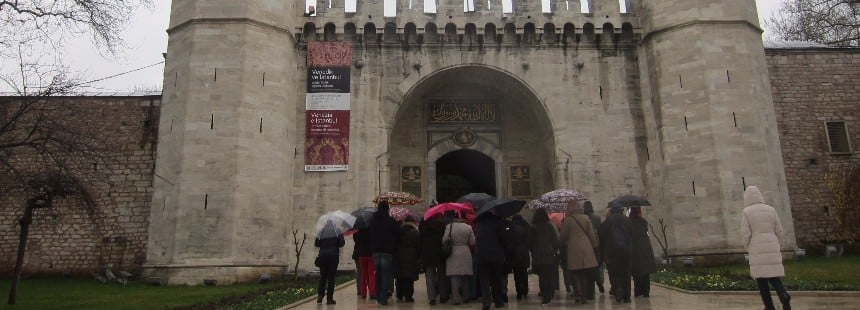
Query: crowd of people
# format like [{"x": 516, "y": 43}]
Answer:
[{"x": 567, "y": 255}]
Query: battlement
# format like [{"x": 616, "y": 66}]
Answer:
[
  {"x": 454, "y": 23},
  {"x": 509, "y": 34}
]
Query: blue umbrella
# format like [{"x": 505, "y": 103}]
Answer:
[
  {"x": 625, "y": 201},
  {"x": 503, "y": 208}
]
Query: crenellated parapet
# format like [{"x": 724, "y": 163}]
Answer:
[{"x": 452, "y": 24}]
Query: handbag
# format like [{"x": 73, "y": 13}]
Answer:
[{"x": 448, "y": 244}]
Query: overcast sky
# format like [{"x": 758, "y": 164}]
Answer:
[{"x": 147, "y": 40}]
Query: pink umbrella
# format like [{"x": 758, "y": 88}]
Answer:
[
  {"x": 399, "y": 213},
  {"x": 461, "y": 208}
]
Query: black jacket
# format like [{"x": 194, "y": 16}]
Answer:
[
  {"x": 517, "y": 250},
  {"x": 362, "y": 243},
  {"x": 431, "y": 241},
  {"x": 406, "y": 259},
  {"x": 488, "y": 239},
  {"x": 384, "y": 232},
  {"x": 329, "y": 247},
  {"x": 643, "y": 254},
  {"x": 616, "y": 236}
]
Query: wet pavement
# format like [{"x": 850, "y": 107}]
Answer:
[{"x": 661, "y": 298}]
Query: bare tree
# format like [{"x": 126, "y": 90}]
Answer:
[
  {"x": 830, "y": 22},
  {"x": 45, "y": 155}
]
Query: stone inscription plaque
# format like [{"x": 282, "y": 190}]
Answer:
[
  {"x": 410, "y": 180},
  {"x": 521, "y": 186},
  {"x": 462, "y": 110}
]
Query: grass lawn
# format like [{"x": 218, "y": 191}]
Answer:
[
  {"x": 811, "y": 273},
  {"x": 86, "y": 293}
]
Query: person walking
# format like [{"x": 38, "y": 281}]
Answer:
[
  {"x": 597, "y": 275},
  {"x": 384, "y": 232},
  {"x": 763, "y": 236},
  {"x": 518, "y": 257},
  {"x": 543, "y": 244},
  {"x": 458, "y": 266},
  {"x": 431, "y": 257},
  {"x": 327, "y": 260},
  {"x": 616, "y": 248},
  {"x": 576, "y": 232},
  {"x": 643, "y": 262},
  {"x": 490, "y": 255},
  {"x": 406, "y": 261},
  {"x": 366, "y": 269}
]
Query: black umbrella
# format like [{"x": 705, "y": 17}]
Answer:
[
  {"x": 477, "y": 200},
  {"x": 628, "y": 201},
  {"x": 363, "y": 216},
  {"x": 503, "y": 208}
]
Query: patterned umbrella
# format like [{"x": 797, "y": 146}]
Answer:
[
  {"x": 333, "y": 224},
  {"x": 400, "y": 213},
  {"x": 462, "y": 208},
  {"x": 397, "y": 198},
  {"x": 550, "y": 207},
  {"x": 562, "y": 196}
]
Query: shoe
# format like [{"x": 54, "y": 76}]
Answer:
[
  {"x": 330, "y": 302},
  {"x": 500, "y": 305},
  {"x": 382, "y": 303},
  {"x": 618, "y": 299},
  {"x": 399, "y": 298},
  {"x": 409, "y": 299},
  {"x": 626, "y": 300},
  {"x": 600, "y": 288},
  {"x": 546, "y": 304},
  {"x": 319, "y": 299},
  {"x": 432, "y": 302}
]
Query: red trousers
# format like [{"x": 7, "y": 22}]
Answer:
[{"x": 367, "y": 279}]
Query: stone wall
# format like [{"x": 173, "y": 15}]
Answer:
[
  {"x": 810, "y": 87},
  {"x": 70, "y": 238}
]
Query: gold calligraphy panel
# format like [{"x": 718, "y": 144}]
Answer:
[
  {"x": 462, "y": 110},
  {"x": 521, "y": 185},
  {"x": 410, "y": 180}
]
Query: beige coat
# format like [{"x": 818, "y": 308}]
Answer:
[
  {"x": 460, "y": 261},
  {"x": 576, "y": 232},
  {"x": 762, "y": 236}
]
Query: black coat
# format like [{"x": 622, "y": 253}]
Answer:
[
  {"x": 431, "y": 241},
  {"x": 543, "y": 243},
  {"x": 643, "y": 254},
  {"x": 517, "y": 248},
  {"x": 406, "y": 259},
  {"x": 362, "y": 244},
  {"x": 329, "y": 247},
  {"x": 384, "y": 232},
  {"x": 616, "y": 236},
  {"x": 488, "y": 239}
]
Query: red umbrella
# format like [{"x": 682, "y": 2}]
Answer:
[{"x": 461, "y": 208}]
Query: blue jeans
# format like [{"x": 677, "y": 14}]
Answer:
[{"x": 384, "y": 275}]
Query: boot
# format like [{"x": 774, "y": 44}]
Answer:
[{"x": 786, "y": 301}]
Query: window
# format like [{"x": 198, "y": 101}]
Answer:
[
  {"x": 546, "y": 6},
  {"x": 837, "y": 138},
  {"x": 350, "y": 6},
  {"x": 622, "y": 5},
  {"x": 310, "y": 7},
  {"x": 584, "y": 7},
  {"x": 507, "y": 6}
]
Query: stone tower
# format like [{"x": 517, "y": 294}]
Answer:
[
  {"x": 223, "y": 157},
  {"x": 665, "y": 99},
  {"x": 710, "y": 121}
]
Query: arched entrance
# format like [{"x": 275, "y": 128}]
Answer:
[
  {"x": 471, "y": 128},
  {"x": 464, "y": 171}
]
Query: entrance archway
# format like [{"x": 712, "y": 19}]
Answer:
[
  {"x": 464, "y": 171},
  {"x": 471, "y": 128}
]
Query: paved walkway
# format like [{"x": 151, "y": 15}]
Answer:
[{"x": 661, "y": 298}]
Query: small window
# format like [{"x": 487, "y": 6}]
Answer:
[{"x": 837, "y": 138}]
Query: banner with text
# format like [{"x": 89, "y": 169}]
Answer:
[{"x": 327, "y": 106}]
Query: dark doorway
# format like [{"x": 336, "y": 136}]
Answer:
[{"x": 462, "y": 172}]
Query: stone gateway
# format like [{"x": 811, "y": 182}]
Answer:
[{"x": 668, "y": 99}]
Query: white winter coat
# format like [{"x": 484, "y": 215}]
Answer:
[{"x": 762, "y": 236}]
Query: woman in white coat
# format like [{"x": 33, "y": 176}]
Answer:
[{"x": 762, "y": 237}]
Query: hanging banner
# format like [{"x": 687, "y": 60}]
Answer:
[{"x": 327, "y": 106}]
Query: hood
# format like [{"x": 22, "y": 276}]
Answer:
[
  {"x": 752, "y": 196},
  {"x": 575, "y": 207}
]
